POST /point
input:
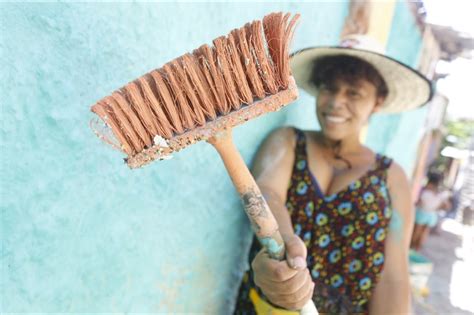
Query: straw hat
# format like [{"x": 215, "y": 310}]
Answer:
[{"x": 407, "y": 88}]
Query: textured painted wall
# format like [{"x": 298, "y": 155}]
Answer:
[
  {"x": 80, "y": 232},
  {"x": 398, "y": 135}
]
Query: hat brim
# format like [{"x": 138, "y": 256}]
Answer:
[{"x": 407, "y": 88}]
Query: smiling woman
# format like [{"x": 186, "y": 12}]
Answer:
[{"x": 333, "y": 197}]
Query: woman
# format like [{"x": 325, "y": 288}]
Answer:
[
  {"x": 431, "y": 200},
  {"x": 344, "y": 211}
]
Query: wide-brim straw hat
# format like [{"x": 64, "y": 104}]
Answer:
[{"x": 407, "y": 88}]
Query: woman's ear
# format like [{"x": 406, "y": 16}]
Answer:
[{"x": 378, "y": 104}]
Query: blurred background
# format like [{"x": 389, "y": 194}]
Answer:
[{"x": 80, "y": 232}]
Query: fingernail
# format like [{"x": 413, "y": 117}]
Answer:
[{"x": 299, "y": 262}]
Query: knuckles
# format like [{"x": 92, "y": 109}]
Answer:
[
  {"x": 279, "y": 273},
  {"x": 292, "y": 295}
]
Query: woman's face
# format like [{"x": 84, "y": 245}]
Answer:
[{"x": 343, "y": 108}]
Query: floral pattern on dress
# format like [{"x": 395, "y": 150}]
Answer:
[{"x": 344, "y": 233}]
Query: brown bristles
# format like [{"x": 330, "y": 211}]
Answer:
[
  {"x": 248, "y": 65},
  {"x": 165, "y": 129}
]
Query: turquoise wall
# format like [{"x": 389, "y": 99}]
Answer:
[
  {"x": 398, "y": 135},
  {"x": 80, "y": 232}
]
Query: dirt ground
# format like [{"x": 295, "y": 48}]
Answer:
[{"x": 451, "y": 285}]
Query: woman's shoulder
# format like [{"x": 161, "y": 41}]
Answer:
[
  {"x": 272, "y": 165},
  {"x": 286, "y": 131},
  {"x": 396, "y": 176},
  {"x": 279, "y": 142},
  {"x": 284, "y": 136}
]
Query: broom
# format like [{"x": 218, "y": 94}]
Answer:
[{"x": 201, "y": 96}]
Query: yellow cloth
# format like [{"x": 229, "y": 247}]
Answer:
[{"x": 263, "y": 308}]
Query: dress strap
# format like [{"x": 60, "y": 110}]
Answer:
[
  {"x": 301, "y": 161},
  {"x": 382, "y": 164},
  {"x": 300, "y": 148}
]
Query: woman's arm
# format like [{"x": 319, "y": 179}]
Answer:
[
  {"x": 284, "y": 286},
  {"x": 272, "y": 168},
  {"x": 392, "y": 294}
]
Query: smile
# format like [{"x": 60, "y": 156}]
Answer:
[{"x": 335, "y": 119}]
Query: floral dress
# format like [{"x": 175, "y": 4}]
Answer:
[{"x": 343, "y": 232}]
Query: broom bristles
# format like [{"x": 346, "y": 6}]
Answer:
[{"x": 248, "y": 65}]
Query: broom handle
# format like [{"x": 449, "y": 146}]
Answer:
[{"x": 261, "y": 218}]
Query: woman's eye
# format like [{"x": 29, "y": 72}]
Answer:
[{"x": 354, "y": 94}]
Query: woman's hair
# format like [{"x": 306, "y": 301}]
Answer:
[{"x": 328, "y": 69}]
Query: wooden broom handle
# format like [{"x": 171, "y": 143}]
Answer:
[
  {"x": 262, "y": 219},
  {"x": 263, "y": 222}
]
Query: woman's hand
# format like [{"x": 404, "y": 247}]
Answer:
[{"x": 287, "y": 284}]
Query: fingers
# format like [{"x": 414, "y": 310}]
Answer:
[
  {"x": 295, "y": 252},
  {"x": 266, "y": 268},
  {"x": 298, "y": 305},
  {"x": 296, "y": 299},
  {"x": 286, "y": 287}
]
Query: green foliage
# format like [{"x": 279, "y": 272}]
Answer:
[{"x": 462, "y": 130}]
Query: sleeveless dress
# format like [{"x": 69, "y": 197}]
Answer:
[{"x": 343, "y": 232}]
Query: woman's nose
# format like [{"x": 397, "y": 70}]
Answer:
[{"x": 338, "y": 100}]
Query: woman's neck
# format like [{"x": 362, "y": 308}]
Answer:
[{"x": 347, "y": 146}]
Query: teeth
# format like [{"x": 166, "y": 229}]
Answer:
[{"x": 335, "y": 119}]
